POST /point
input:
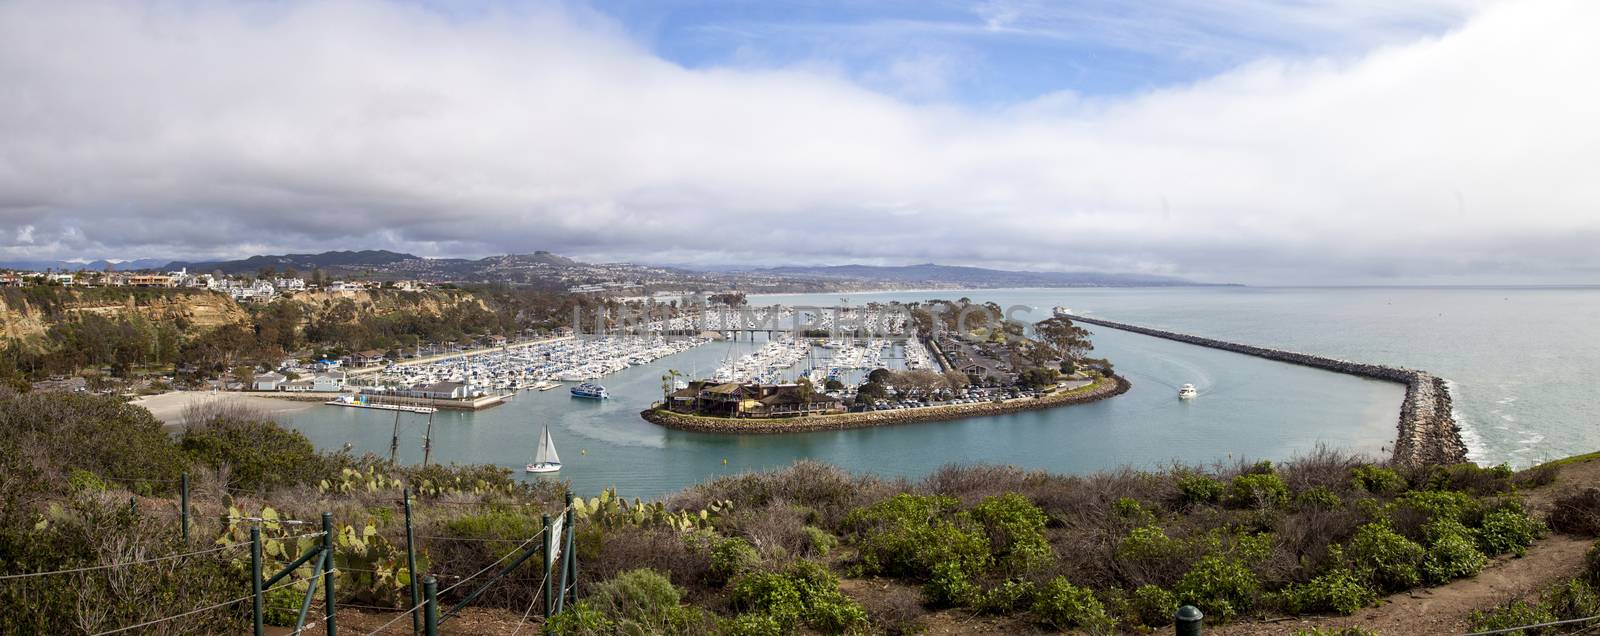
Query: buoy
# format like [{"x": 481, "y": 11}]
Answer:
[
  {"x": 583, "y": 451},
  {"x": 724, "y": 461}
]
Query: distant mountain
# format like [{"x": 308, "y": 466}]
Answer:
[
  {"x": 73, "y": 266},
  {"x": 935, "y": 275},
  {"x": 340, "y": 261}
]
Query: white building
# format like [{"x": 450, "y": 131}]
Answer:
[
  {"x": 268, "y": 381},
  {"x": 328, "y": 382}
]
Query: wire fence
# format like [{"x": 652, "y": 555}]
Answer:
[{"x": 459, "y": 581}]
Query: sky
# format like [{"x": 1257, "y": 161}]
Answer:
[{"x": 1294, "y": 142}]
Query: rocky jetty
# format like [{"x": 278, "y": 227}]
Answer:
[
  {"x": 1428, "y": 433},
  {"x": 669, "y": 419}
]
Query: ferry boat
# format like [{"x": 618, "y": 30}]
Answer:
[
  {"x": 545, "y": 460},
  {"x": 1187, "y": 391},
  {"x": 590, "y": 391}
]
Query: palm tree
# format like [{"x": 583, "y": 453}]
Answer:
[{"x": 668, "y": 380}]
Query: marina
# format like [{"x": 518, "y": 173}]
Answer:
[
  {"x": 541, "y": 366},
  {"x": 1253, "y": 408},
  {"x": 357, "y": 402}
]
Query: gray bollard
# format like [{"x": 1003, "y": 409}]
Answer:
[{"x": 1188, "y": 621}]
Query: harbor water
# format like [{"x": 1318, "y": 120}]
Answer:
[{"x": 1516, "y": 358}]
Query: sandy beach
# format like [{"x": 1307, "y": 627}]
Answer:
[{"x": 169, "y": 407}]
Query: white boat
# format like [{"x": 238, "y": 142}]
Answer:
[
  {"x": 1187, "y": 391},
  {"x": 545, "y": 460}
]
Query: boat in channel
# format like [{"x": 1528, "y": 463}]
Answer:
[
  {"x": 545, "y": 460},
  {"x": 590, "y": 391}
]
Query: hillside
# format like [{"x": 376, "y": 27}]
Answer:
[
  {"x": 302, "y": 262},
  {"x": 27, "y": 314}
]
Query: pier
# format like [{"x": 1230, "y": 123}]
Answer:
[{"x": 1427, "y": 429}]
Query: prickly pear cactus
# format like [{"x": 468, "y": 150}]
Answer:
[{"x": 611, "y": 511}]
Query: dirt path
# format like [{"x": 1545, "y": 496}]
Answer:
[{"x": 1445, "y": 609}]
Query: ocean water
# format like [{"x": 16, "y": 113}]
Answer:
[{"x": 1518, "y": 360}]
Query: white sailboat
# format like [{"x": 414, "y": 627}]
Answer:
[{"x": 545, "y": 460}]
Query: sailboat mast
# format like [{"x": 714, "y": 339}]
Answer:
[
  {"x": 394, "y": 440},
  {"x": 427, "y": 442}
]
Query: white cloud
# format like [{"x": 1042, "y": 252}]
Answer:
[{"x": 180, "y": 129}]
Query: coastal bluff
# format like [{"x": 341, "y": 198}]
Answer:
[{"x": 1427, "y": 429}]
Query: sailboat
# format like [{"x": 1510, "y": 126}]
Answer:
[{"x": 545, "y": 460}]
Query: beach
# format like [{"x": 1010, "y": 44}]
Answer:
[{"x": 169, "y": 407}]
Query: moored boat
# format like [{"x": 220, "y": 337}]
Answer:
[{"x": 1187, "y": 391}]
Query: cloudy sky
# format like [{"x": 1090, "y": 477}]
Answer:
[{"x": 1303, "y": 141}]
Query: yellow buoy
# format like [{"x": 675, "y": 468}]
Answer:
[{"x": 724, "y": 461}]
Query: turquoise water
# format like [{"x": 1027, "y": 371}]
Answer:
[{"x": 1495, "y": 345}]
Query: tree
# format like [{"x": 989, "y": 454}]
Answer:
[
  {"x": 879, "y": 375},
  {"x": 833, "y": 384},
  {"x": 1068, "y": 339}
]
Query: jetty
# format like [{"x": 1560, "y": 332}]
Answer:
[{"x": 1427, "y": 431}]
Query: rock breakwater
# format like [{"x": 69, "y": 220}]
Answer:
[{"x": 1427, "y": 429}]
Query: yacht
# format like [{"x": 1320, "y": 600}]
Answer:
[
  {"x": 590, "y": 391},
  {"x": 1187, "y": 391}
]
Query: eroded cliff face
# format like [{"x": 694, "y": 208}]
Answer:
[
  {"x": 352, "y": 305},
  {"x": 26, "y": 316}
]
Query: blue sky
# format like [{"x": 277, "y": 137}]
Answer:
[{"x": 999, "y": 52}]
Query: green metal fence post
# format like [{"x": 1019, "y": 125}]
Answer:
[
  {"x": 255, "y": 578},
  {"x": 567, "y": 555},
  {"x": 570, "y": 553},
  {"x": 1188, "y": 621},
  {"x": 183, "y": 500},
  {"x": 327, "y": 575},
  {"x": 548, "y": 543},
  {"x": 411, "y": 564},
  {"x": 430, "y": 611},
  {"x": 133, "y": 506}
]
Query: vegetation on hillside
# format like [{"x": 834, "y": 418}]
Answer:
[{"x": 761, "y": 553}]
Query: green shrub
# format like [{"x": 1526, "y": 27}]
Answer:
[
  {"x": 1063, "y": 605},
  {"x": 1452, "y": 554},
  {"x": 1318, "y": 498},
  {"x": 1338, "y": 590},
  {"x": 84, "y": 481},
  {"x": 1131, "y": 511},
  {"x": 1220, "y": 585},
  {"x": 907, "y": 535},
  {"x": 641, "y": 598},
  {"x": 804, "y": 593},
  {"x": 1512, "y": 614},
  {"x": 1016, "y": 532},
  {"x": 1007, "y": 598},
  {"x": 754, "y": 625},
  {"x": 820, "y": 541},
  {"x": 732, "y": 557},
  {"x": 1378, "y": 480},
  {"x": 1153, "y": 605},
  {"x": 1441, "y": 504},
  {"x": 950, "y": 586},
  {"x": 1508, "y": 530},
  {"x": 582, "y": 619},
  {"x": 1574, "y": 599},
  {"x": 1195, "y": 488},
  {"x": 262, "y": 455},
  {"x": 1257, "y": 490},
  {"x": 1591, "y": 565},
  {"x": 1384, "y": 557}
]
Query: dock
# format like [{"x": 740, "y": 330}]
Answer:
[{"x": 408, "y": 408}]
